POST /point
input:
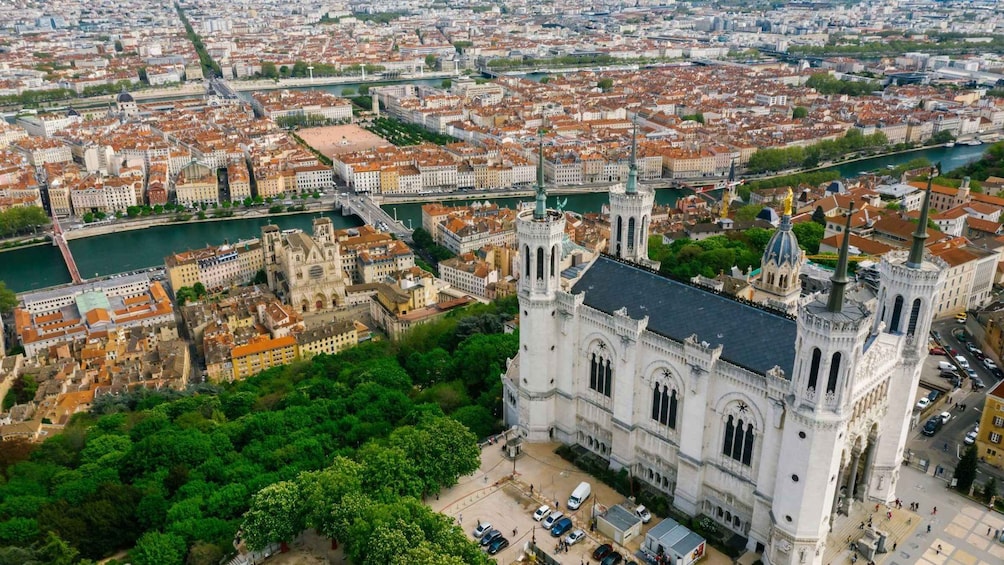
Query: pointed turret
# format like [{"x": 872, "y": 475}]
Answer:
[
  {"x": 839, "y": 279},
  {"x": 632, "y": 183},
  {"x": 540, "y": 210},
  {"x": 920, "y": 236}
]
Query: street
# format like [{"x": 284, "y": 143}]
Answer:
[{"x": 946, "y": 446}]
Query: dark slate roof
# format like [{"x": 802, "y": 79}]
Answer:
[{"x": 753, "y": 338}]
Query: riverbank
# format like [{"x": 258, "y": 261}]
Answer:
[
  {"x": 389, "y": 200},
  {"x": 268, "y": 84},
  {"x": 170, "y": 220},
  {"x": 15, "y": 245}
]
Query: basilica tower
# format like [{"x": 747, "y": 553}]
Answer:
[
  {"x": 779, "y": 284},
  {"x": 630, "y": 214},
  {"x": 828, "y": 349},
  {"x": 539, "y": 234}
]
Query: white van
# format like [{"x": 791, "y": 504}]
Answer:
[
  {"x": 579, "y": 495},
  {"x": 945, "y": 366}
]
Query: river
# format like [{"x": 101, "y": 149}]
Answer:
[{"x": 42, "y": 266}]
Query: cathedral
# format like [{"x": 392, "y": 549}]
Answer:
[
  {"x": 305, "y": 270},
  {"x": 768, "y": 418}
]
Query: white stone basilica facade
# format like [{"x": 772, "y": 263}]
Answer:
[{"x": 768, "y": 422}]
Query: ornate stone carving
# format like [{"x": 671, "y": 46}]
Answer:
[{"x": 810, "y": 394}]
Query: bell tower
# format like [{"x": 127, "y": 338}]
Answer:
[
  {"x": 779, "y": 284},
  {"x": 630, "y": 214},
  {"x": 831, "y": 331},
  {"x": 909, "y": 284},
  {"x": 539, "y": 234}
]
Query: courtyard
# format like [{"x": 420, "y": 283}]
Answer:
[{"x": 332, "y": 141}]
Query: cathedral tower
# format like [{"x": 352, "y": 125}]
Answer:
[
  {"x": 539, "y": 234},
  {"x": 831, "y": 331},
  {"x": 908, "y": 292},
  {"x": 630, "y": 214},
  {"x": 779, "y": 282}
]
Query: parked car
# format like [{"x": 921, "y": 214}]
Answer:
[
  {"x": 561, "y": 527},
  {"x": 977, "y": 383},
  {"x": 932, "y": 426},
  {"x": 602, "y": 551},
  {"x": 962, "y": 361},
  {"x": 552, "y": 518},
  {"x": 962, "y": 336},
  {"x": 542, "y": 513},
  {"x": 961, "y": 317},
  {"x": 989, "y": 364},
  {"x": 921, "y": 404},
  {"x": 498, "y": 545},
  {"x": 933, "y": 395},
  {"x": 936, "y": 350},
  {"x": 971, "y": 373},
  {"x": 945, "y": 417},
  {"x": 482, "y": 529},
  {"x": 612, "y": 559},
  {"x": 949, "y": 373},
  {"x": 971, "y": 436},
  {"x": 971, "y": 347},
  {"x": 575, "y": 537},
  {"x": 937, "y": 336},
  {"x": 643, "y": 513},
  {"x": 490, "y": 537}
]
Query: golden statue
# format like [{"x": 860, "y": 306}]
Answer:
[
  {"x": 788, "y": 199},
  {"x": 726, "y": 200}
]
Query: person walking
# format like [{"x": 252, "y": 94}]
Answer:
[{"x": 935, "y": 511}]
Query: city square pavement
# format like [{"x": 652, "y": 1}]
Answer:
[
  {"x": 958, "y": 531},
  {"x": 491, "y": 495}
]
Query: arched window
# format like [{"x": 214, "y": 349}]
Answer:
[
  {"x": 897, "y": 312},
  {"x": 831, "y": 383},
  {"x": 526, "y": 261},
  {"x": 730, "y": 431},
  {"x": 554, "y": 260},
  {"x": 737, "y": 445},
  {"x": 664, "y": 412},
  {"x": 540, "y": 263},
  {"x": 656, "y": 399},
  {"x": 600, "y": 374},
  {"x": 630, "y": 234},
  {"x": 672, "y": 410},
  {"x": 609, "y": 380},
  {"x": 814, "y": 367},
  {"x": 914, "y": 314},
  {"x": 748, "y": 445}
]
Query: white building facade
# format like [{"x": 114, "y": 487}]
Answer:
[{"x": 766, "y": 422}]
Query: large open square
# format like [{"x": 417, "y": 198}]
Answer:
[{"x": 337, "y": 140}]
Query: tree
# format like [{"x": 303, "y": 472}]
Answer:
[
  {"x": 809, "y": 234},
  {"x": 800, "y": 112},
  {"x": 203, "y": 553},
  {"x": 819, "y": 216},
  {"x": 277, "y": 513},
  {"x": 990, "y": 490},
  {"x": 8, "y": 299},
  {"x": 605, "y": 84},
  {"x": 965, "y": 472},
  {"x": 200, "y": 289},
  {"x": 155, "y": 548},
  {"x": 748, "y": 212},
  {"x": 269, "y": 70},
  {"x": 430, "y": 61},
  {"x": 447, "y": 83}
]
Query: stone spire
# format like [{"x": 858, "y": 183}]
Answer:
[
  {"x": 632, "y": 182},
  {"x": 920, "y": 236},
  {"x": 839, "y": 279},
  {"x": 540, "y": 211}
]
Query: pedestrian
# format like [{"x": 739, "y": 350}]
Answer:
[
  {"x": 939, "y": 549},
  {"x": 894, "y": 546},
  {"x": 531, "y": 489},
  {"x": 862, "y": 526},
  {"x": 988, "y": 530},
  {"x": 928, "y": 528},
  {"x": 461, "y": 517},
  {"x": 876, "y": 507},
  {"x": 945, "y": 449},
  {"x": 935, "y": 511}
]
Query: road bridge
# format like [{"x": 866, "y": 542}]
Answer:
[
  {"x": 368, "y": 208},
  {"x": 59, "y": 240}
]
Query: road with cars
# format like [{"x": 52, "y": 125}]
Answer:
[{"x": 944, "y": 448}]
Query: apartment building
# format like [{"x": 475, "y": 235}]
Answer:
[
  {"x": 105, "y": 194},
  {"x": 261, "y": 353},
  {"x": 239, "y": 181},
  {"x": 196, "y": 184},
  {"x": 469, "y": 274},
  {"x": 216, "y": 267},
  {"x": 969, "y": 277},
  {"x": 330, "y": 339},
  {"x": 990, "y": 440},
  {"x": 368, "y": 255}
]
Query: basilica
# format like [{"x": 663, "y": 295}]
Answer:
[{"x": 769, "y": 417}]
